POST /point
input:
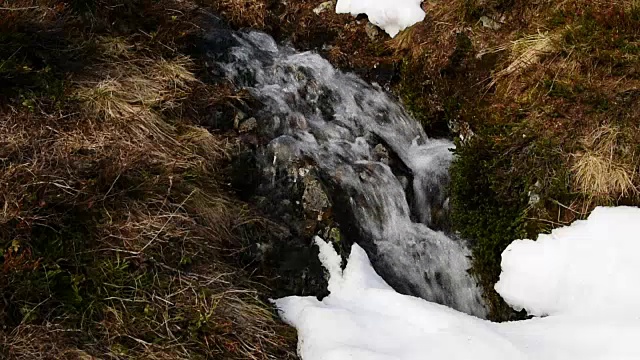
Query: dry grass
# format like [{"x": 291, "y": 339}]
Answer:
[
  {"x": 117, "y": 236},
  {"x": 137, "y": 88},
  {"x": 523, "y": 54},
  {"x": 604, "y": 170},
  {"x": 408, "y": 43},
  {"x": 16, "y": 12},
  {"x": 433, "y": 39},
  {"x": 242, "y": 13},
  {"x": 31, "y": 342}
]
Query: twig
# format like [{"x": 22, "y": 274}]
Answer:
[
  {"x": 111, "y": 188},
  {"x": 568, "y": 208},
  {"x": 125, "y": 300},
  {"x": 166, "y": 223},
  {"x": 19, "y": 9},
  {"x": 548, "y": 221},
  {"x": 218, "y": 278}
]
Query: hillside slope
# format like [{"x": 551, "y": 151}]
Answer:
[{"x": 118, "y": 235}]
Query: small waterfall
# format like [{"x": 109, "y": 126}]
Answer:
[{"x": 316, "y": 114}]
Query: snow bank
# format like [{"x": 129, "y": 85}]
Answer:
[
  {"x": 364, "y": 319},
  {"x": 588, "y": 267},
  {"x": 392, "y": 16}
]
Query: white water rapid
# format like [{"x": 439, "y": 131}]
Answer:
[{"x": 317, "y": 114}]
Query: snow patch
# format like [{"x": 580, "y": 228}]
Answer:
[
  {"x": 391, "y": 16},
  {"x": 588, "y": 267},
  {"x": 582, "y": 276}
]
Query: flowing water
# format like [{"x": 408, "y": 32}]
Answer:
[{"x": 316, "y": 114}]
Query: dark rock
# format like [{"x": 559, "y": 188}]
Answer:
[{"x": 248, "y": 125}]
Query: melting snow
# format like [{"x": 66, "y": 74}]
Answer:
[
  {"x": 392, "y": 16},
  {"x": 584, "y": 277},
  {"x": 589, "y": 267}
]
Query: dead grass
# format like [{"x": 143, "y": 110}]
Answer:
[
  {"x": 117, "y": 236},
  {"x": 16, "y": 12},
  {"x": 41, "y": 342},
  {"x": 407, "y": 43},
  {"x": 242, "y": 13},
  {"x": 604, "y": 170},
  {"x": 137, "y": 88},
  {"x": 523, "y": 53}
]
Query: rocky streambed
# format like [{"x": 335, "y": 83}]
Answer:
[{"x": 338, "y": 157}]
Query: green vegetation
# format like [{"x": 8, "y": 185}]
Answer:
[
  {"x": 481, "y": 212},
  {"x": 493, "y": 204},
  {"x": 555, "y": 128}
]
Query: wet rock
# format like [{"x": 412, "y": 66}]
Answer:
[
  {"x": 325, "y": 6},
  {"x": 314, "y": 199},
  {"x": 463, "y": 130},
  {"x": 404, "y": 181},
  {"x": 289, "y": 258},
  {"x": 283, "y": 150},
  {"x": 490, "y": 23},
  {"x": 372, "y": 31},
  {"x": 238, "y": 116},
  {"x": 534, "y": 196},
  {"x": 245, "y": 174},
  {"x": 440, "y": 218},
  {"x": 334, "y": 235},
  {"x": 381, "y": 153},
  {"x": 248, "y": 125}
]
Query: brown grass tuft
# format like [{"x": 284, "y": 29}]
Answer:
[
  {"x": 243, "y": 13},
  {"x": 524, "y": 53},
  {"x": 407, "y": 42},
  {"x": 136, "y": 88},
  {"x": 604, "y": 170},
  {"x": 39, "y": 342}
]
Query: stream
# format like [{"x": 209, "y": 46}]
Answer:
[{"x": 393, "y": 206}]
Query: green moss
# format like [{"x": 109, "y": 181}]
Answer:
[
  {"x": 46, "y": 275},
  {"x": 414, "y": 96},
  {"x": 482, "y": 213},
  {"x": 429, "y": 98},
  {"x": 558, "y": 18},
  {"x": 559, "y": 89},
  {"x": 493, "y": 179},
  {"x": 606, "y": 40},
  {"x": 463, "y": 49}
]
